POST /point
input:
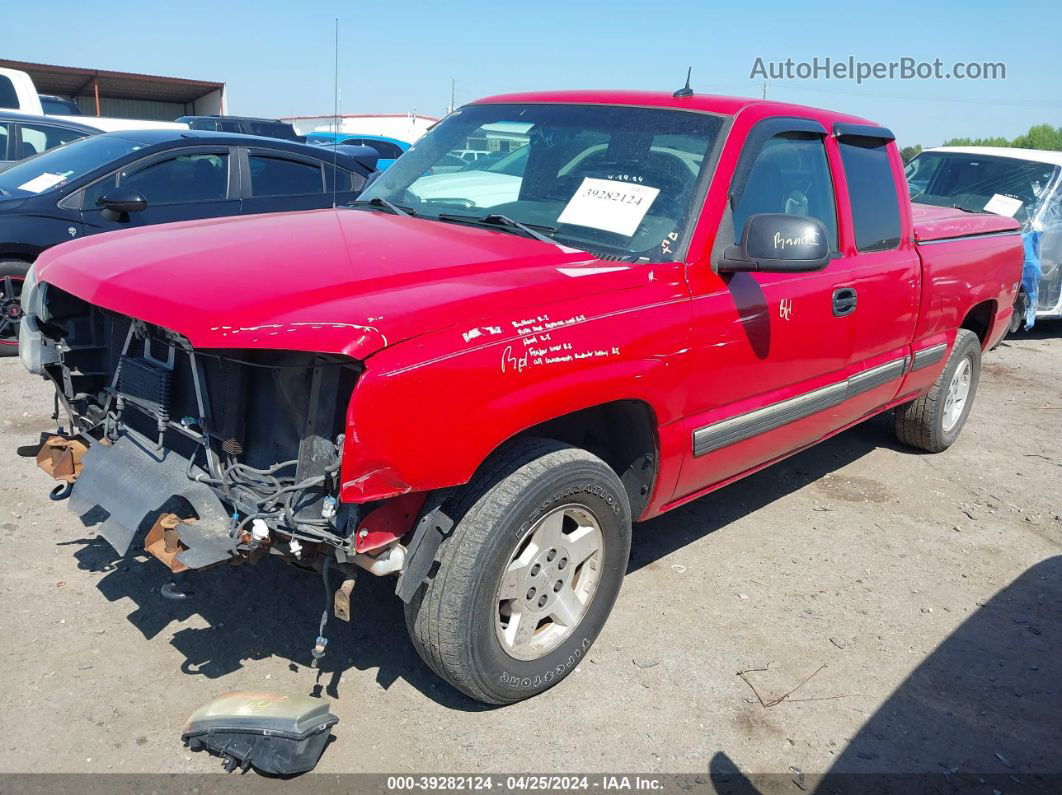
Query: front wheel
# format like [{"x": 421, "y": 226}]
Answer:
[
  {"x": 934, "y": 421},
  {"x": 529, "y": 575},
  {"x": 12, "y": 275}
]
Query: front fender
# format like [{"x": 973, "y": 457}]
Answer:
[{"x": 426, "y": 413}]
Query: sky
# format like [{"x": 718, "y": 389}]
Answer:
[{"x": 278, "y": 58}]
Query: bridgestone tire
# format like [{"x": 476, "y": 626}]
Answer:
[
  {"x": 921, "y": 423},
  {"x": 453, "y": 618}
]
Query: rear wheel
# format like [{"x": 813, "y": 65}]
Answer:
[
  {"x": 529, "y": 575},
  {"x": 12, "y": 275},
  {"x": 1021, "y": 308},
  {"x": 934, "y": 421}
]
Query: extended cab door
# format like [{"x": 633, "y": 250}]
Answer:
[
  {"x": 770, "y": 356},
  {"x": 179, "y": 186},
  {"x": 884, "y": 282}
]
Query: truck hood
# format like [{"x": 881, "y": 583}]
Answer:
[
  {"x": 330, "y": 281},
  {"x": 937, "y": 223}
]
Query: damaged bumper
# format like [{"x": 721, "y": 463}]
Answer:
[
  {"x": 223, "y": 454},
  {"x": 125, "y": 485}
]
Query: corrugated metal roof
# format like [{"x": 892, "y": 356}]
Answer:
[{"x": 74, "y": 81}]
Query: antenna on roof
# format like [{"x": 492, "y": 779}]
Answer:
[{"x": 685, "y": 91}]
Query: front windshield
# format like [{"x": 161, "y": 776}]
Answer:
[
  {"x": 616, "y": 181},
  {"x": 58, "y": 166},
  {"x": 981, "y": 183}
]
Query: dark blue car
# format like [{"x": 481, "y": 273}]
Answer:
[{"x": 125, "y": 179}]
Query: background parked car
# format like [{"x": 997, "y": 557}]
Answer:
[
  {"x": 59, "y": 106},
  {"x": 122, "y": 180},
  {"x": 1024, "y": 184},
  {"x": 390, "y": 149},
  {"x": 18, "y": 93},
  {"x": 22, "y": 135},
  {"x": 269, "y": 128}
]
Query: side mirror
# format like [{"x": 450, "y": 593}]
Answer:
[
  {"x": 776, "y": 242},
  {"x": 120, "y": 202}
]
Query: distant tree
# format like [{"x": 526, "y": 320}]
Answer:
[
  {"x": 1039, "y": 136},
  {"x": 997, "y": 141},
  {"x": 908, "y": 152}
]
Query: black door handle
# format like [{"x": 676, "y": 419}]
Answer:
[{"x": 844, "y": 301}]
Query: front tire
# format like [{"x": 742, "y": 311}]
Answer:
[
  {"x": 934, "y": 421},
  {"x": 529, "y": 575},
  {"x": 12, "y": 275}
]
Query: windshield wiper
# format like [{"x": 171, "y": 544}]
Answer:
[
  {"x": 383, "y": 204},
  {"x": 503, "y": 222}
]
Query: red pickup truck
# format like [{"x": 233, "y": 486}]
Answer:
[{"x": 477, "y": 380}]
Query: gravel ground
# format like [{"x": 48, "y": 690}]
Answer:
[{"x": 921, "y": 594}]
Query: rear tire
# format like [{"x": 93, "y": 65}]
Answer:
[
  {"x": 1017, "y": 319},
  {"x": 934, "y": 421},
  {"x": 514, "y": 605},
  {"x": 12, "y": 275}
]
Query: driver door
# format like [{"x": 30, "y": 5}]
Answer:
[{"x": 770, "y": 353}]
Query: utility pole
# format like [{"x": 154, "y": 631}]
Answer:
[
  {"x": 452, "y": 83},
  {"x": 765, "y": 89}
]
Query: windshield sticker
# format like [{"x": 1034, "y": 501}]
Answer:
[
  {"x": 1003, "y": 205},
  {"x": 42, "y": 183},
  {"x": 609, "y": 205}
]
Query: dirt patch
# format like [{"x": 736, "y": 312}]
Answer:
[{"x": 852, "y": 488}]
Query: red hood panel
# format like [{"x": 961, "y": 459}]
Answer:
[
  {"x": 936, "y": 223},
  {"x": 329, "y": 281}
]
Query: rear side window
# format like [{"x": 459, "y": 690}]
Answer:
[
  {"x": 278, "y": 176},
  {"x": 4, "y": 138},
  {"x": 269, "y": 129},
  {"x": 37, "y": 138},
  {"x": 8, "y": 95},
  {"x": 872, "y": 191}
]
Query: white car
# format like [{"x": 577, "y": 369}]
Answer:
[{"x": 1024, "y": 184}]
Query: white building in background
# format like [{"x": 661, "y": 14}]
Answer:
[{"x": 406, "y": 127}]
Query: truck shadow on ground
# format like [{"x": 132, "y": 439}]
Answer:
[
  {"x": 983, "y": 711},
  {"x": 272, "y": 610}
]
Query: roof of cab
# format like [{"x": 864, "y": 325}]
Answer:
[{"x": 709, "y": 103}]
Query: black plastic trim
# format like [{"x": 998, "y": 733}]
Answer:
[
  {"x": 928, "y": 356},
  {"x": 744, "y": 426},
  {"x": 842, "y": 129},
  {"x": 876, "y": 376}
]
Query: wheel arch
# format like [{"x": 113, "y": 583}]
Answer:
[
  {"x": 980, "y": 319},
  {"x": 622, "y": 433}
]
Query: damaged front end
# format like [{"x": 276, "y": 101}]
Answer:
[{"x": 221, "y": 456}]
